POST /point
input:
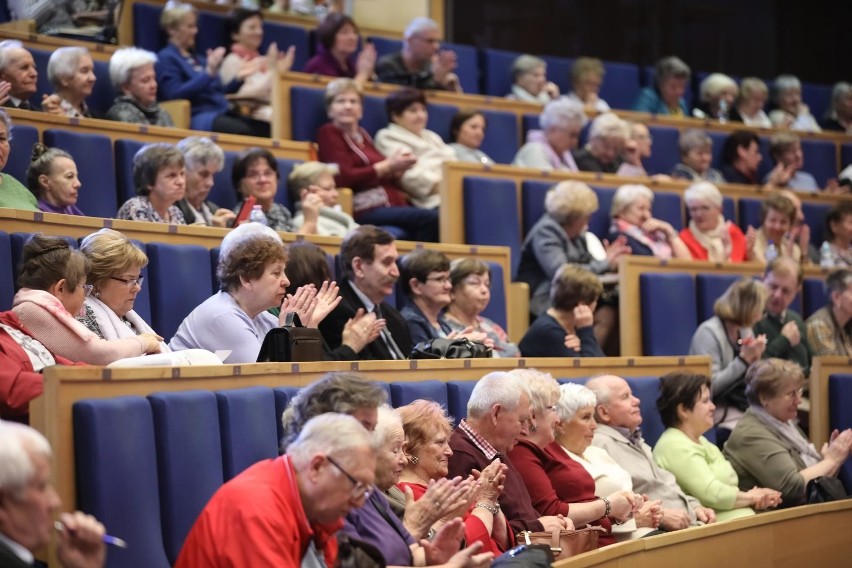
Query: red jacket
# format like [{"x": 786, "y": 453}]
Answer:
[{"x": 738, "y": 244}]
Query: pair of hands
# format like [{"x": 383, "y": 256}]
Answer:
[
  {"x": 310, "y": 304},
  {"x": 151, "y": 343},
  {"x": 764, "y": 498},
  {"x": 583, "y": 317},
  {"x": 615, "y": 250},
  {"x": 675, "y": 519},
  {"x": 469, "y": 333},
  {"x": 443, "y": 500},
  {"x": 361, "y": 329},
  {"x": 624, "y": 505},
  {"x": 444, "y": 64},
  {"x": 838, "y": 447},
  {"x": 443, "y": 550},
  {"x": 283, "y": 61},
  {"x": 752, "y": 348}
]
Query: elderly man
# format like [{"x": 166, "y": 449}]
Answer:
[
  {"x": 498, "y": 413},
  {"x": 18, "y": 75},
  {"x": 28, "y": 504},
  {"x": 286, "y": 511},
  {"x": 421, "y": 63},
  {"x": 619, "y": 417},
  {"x": 785, "y": 330},
  {"x": 368, "y": 256}
]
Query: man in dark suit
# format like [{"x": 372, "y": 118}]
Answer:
[
  {"x": 18, "y": 69},
  {"x": 368, "y": 256},
  {"x": 28, "y": 503}
]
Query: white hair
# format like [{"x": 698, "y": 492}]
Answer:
[
  {"x": 608, "y": 125},
  {"x": 526, "y": 64},
  {"x": 388, "y": 421},
  {"x": 542, "y": 387},
  {"x": 246, "y": 232},
  {"x": 572, "y": 398},
  {"x": 498, "y": 387},
  {"x": 199, "y": 151},
  {"x": 626, "y": 195},
  {"x": 562, "y": 113},
  {"x": 6, "y": 46},
  {"x": 714, "y": 84},
  {"x": 17, "y": 444},
  {"x": 785, "y": 83},
  {"x": 693, "y": 139},
  {"x": 703, "y": 190},
  {"x": 329, "y": 433},
  {"x": 63, "y": 63},
  {"x": 125, "y": 61},
  {"x": 419, "y": 25}
]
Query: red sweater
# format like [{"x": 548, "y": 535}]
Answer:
[{"x": 738, "y": 244}]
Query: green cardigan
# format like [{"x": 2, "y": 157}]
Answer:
[{"x": 15, "y": 195}]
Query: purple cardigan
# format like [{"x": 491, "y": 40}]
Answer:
[{"x": 324, "y": 63}]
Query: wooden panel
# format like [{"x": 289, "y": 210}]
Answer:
[
  {"x": 99, "y": 51},
  {"x": 821, "y": 369}
]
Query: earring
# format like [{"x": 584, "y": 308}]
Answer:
[
  {"x": 96, "y": 293},
  {"x": 533, "y": 427},
  {"x": 414, "y": 459}
]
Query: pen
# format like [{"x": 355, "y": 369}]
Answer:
[{"x": 108, "y": 539}]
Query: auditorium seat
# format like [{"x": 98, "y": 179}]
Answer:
[
  {"x": 558, "y": 71},
  {"x": 468, "y": 66},
  {"x": 404, "y": 393},
  {"x": 491, "y": 214},
  {"x": 532, "y": 203},
  {"x": 214, "y": 263},
  {"x": 116, "y": 467},
  {"x": 284, "y": 36},
  {"x": 17, "y": 241},
  {"x": 840, "y": 415},
  {"x": 283, "y": 396},
  {"x": 601, "y": 220},
  {"x": 211, "y": 31},
  {"x": 647, "y": 390},
  {"x": 818, "y": 98},
  {"x": 440, "y": 117},
  {"x": 142, "y": 305},
  {"x": 708, "y": 289},
  {"x": 385, "y": 45},
  {"x": 814, "y": 296},
  {"x": 620, "y": 84},
  {"x": 495, "y": 65},
  {"x": 648, "y": 81},
  {"x": 668, "y": 207},
  {"x": 93, "y": 155},
  {"x": 7, "y": 277},
  {"x": 664, "y": 154},
  {"x": 749, "y": 210},
  {"x": 147, "y": 33},
  {"x": 189, "y": 459},
  {"x": 501, "y": 140},
  {"x": 247, "y": 420},
  {"x": 845, "y": 156},
  {"x": 125, "y": 150},
  {"x": 171, "y": 268},
  {"x": 815, "y": 218},
  {"x": 458, "y": 393},
  {"x": 661, "y": 333},
  {"x": 307, "y": 113},
  {"x": 20, "y": 151},
  {"x": 498, "y": 306},
  {"x": 820, "y": 160}
]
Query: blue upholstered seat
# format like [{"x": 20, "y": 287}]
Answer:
[
  {"x": 818, "y": 98},
  {"x": 7, "y": 277},
  {"x": 440, "y": 117},
  {"x": 405, "y": 392},
  {"x": 495, "y": 65},
  {"x": 20, "y": 151},
  {"x": 171, "y": 268},
  {"x": 663, "y": 334},
  {"x": 247, "y": 420},
  {"x": 620, "y": 84},
  {"x": 820, "y": 160},
  {"x": 491, "y": 214},
  {"x": 458, "y": 393},
  {"x": 840, "y": 415},
  {"x": 93, "y": 155},
  {"x": 468, "y": 66},
  {"x": 147, "y": 33},
  {"x": 497, "y": 307},
  {"x": 501, "y": 140},
  {"x": 559, "y": 71},
  {"x": 665, "y": 153},
  {"x": 125, "y": 150},
  {"x": 708, "y": 288},
  {"x": 814, "y": 296}
]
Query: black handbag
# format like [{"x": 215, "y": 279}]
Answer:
[
  {"x": 291, "y": 343},
  {"x": 525, "y": 556},
  {"x": 443, "y": 348},
  {"x": 824, "y": 489}
]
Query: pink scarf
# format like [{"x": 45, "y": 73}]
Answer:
[
  {"x": 54, "y": 307},
  {"x": 654, "y": 241}
]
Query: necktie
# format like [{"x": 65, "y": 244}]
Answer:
[
  {"x": 25, "y": 105},
  {"x": 395, "y": 351}
]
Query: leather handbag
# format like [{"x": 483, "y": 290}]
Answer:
[
  {"x": 291, "y": 343},
  {"x": 824, "y": 489},
  {"x": 564, "y": 544},
  {"x": 443, "y": 348}
]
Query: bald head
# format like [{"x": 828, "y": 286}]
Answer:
[{"x": 616, "y": 405}]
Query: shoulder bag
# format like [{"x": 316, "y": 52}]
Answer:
[
  {"x": 291, "y": 343},
  {"x": 564, "y": 544}
]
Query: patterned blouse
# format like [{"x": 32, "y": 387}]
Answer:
[
  {"x": 278, "y": 218},
  {"x": 91, "y": 322},
  {"x": 139, "y": 208}
]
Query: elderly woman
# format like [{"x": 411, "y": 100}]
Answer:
[
  {"x": 407, "y": 132},
  {"x": 550, "y": 148},
  {"x": 13, "y": 194},
  {"x": 838, "y": 118},
  {"x": 716, "y": 94},
  {"x": 748, "y": 108},
  {"x": 587, "y": 75},
  {"x": 338, "y": 37},
  {"x": 838, "y": 234},
  {"x": 427, "y": 431},
  {"x": 375, "y": 523},
  {"x": 131, "y": 71},
  {"x": 375, "y": 180},
  {"x": 575, "y": 428},
  {"x": 559, "y": 485},
  {"x": 602, "y": 153},
  {"x": 645, "y": 235},
  {"x": 696, "y": 155},
  {"x": 312, "y": 180},
  {"x": 566, "y": 329},
  {"x": 202, "y": 159},
  {"x": 115, "y": 272},
  {"x": 777, "y": 218},
  {"x": 791, "y": 112},
  {"x": 471, "y": 280},
  {"x": 729, "y": 340},
  {"x": 160, "y": 179},
  {"x": 768, "y": 448},
  {"x": 637, "y": 148},
  {"x": 529, "y": 81},
  {"x": 830, "y": 327},
  {"x": 467, "y": 130},
  {"x": 785, "y": 149},
  {"x": 184, "y": 74},
  {"x": 255, "y": 174},
  {"x": 72, "y": 74},
  {"x": 698, "y": 464},
  {"x": 52, "y": 282},
  {"x": 709, "y": 236},
  {"x": 560, "y": 237},
  {"x": 671, "y": 76},
  {"x": 52, "y": 177}
]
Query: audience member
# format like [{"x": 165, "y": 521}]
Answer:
[
  {"x": 317, "y": 179},
  {"x": 768, "y": 448},
  {"x": 52, "y": 177},
  {"x": 748, "y": 107},
  {"x": 202, "y": 159},
  {"x": 160, "y": 179},
  {"x": 71, "y": 72},
  {"x": 698, "y": 464},
  {"x": 696, "y": 155},
  {"x": 407, "y": 134},
  {"x": 741, "y": 157},
  {"x": 50, "y": 16},
  {"x": 838, "y": 234},
  {"x": 671, "y": 76},
  {"x": 637, "y": 148},
  {"x": 777, "y": 219},
  {"x": 17, "y": 68},
  {"x": 375, "y": 180},
  {"x": 645, "y": 235},
  {"x": 830, "y": 327},
  {"x": 785, "y": 149},
  {"x": 467, "y": 131},
  {"x": 708, "y": 236},
  {"x": 608, "y": 135},
  {"x": 337, "y": 53},
  {"x": 131, "y": 71},
  {"x": 716, "y": 95},
  {"x": 550, "y": 148},
  {"x": 838, "y": 117},
  {"x": 529, "y": 81},
  {"x": 800, "y": 228},
  {"x": 791, "y": 112},
  {"x": 587, "y": 75},
  {"x": 421, "y": 64}
]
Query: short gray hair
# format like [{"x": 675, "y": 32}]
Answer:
[
  {"x": 608, "y": 125},
  {"x": 199, "y": 151},
  {"x": 572, "y": 398},
  {"x": 495, "y": 388},
  {"x": 17, "y": 443},
  {"x": 714, "y": 84},
  {"x": 246, "y": 232},
  {"x": 388, "y": 421},
  {"x": 703, "y": 190},
  {"x": 63, "y": 63},
  {"x": 626, "y": 195},
  {"x": 693, "y": 139},
  {"x": 784, "y": 83},
  {"x": 542, "y": 387},
  {"x": 526, "y": 64},
  {"x": 418, "y": 25},
  {"x": 669, "y": 67},
  {"x": 6, "y": 46},
  {"x": 838, "y": 92},
  {"x": 329, "y": 433},
  {"x": 750, "y": 85},
  {"x": 149, "y": 160},
  {"x": 562, "y": 113},
  {"x": 125, "y": 61}
]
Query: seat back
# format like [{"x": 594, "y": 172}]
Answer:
[
  {"x": 498, "y": 306},
  {"x": 669, "y": 208},
  {"x": 142, "y": 305},
  {"x": 440, "y": 117},
  {"x": 820, "y": 160},
  {"x": 840, "y": 415},
  {"x": 665, "y": 153},
  {"x": 501, "y": 140},
  {"x": 458, "y": 393},
  {"x": 7, "y": 277},
  {"x": 491, "y": 214},
  {"x": 247, "y": 420},
  {"x": 559, "y": 71},
  {"x": 814, "y": 296},
  {"x": 93, "y": 155},
  {"x": 663, "y": 334},
  {"x": 172, "y": 267},
  {"x": 147, "y": 33},
  {"x": 647, "y": 390},
  {"x": 404, "y": 393},
  {"x": 620, "y": 84},
  {"x": 532, "y": 203},
  {"x": 496, "y": 75},
  {"x": 21, "y": 149},
  {"x": 125, "y": 151},
  {"x": 818, "y": 98},
  {"x": 468, "y": 66},
  {"x": 284, "y": 36},
  {"x": 815, "y": 219},
  {"x": 709, "y": 287},
  {"x": 600, "y": 222}
]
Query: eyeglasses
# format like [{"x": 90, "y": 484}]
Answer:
[
  {"x": 552, "y": 407},
  {"x": 795, "y": 393},
  {"x": 129, "y": 282},
  {"x": 438, "y": 279},
  {"x": 477, "y": 282},
  {"x": 261, "y": 174},
  {"x": 359, "y": 490}
]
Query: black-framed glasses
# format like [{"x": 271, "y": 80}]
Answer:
[
  {"x": 129, "y": 282},
  {"x": 359, "y": 490}
]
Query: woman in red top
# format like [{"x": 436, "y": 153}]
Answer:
[
  {"x": 427, "y": 431},
  {"x": 374, "y": 178},
  {"x": 709, "y": 236}
]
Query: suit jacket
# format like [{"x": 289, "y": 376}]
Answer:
[
  {"x": 332, "y": 326},
  {"x": 9, "y": 559}
]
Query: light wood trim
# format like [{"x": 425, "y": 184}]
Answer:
[
  {"x": 180, "y": 110},
  {"x": 42, "y": 42},
  {"x": 17, "y": 26},
  {"x": 821, "y": 369},
  {"x": 63, "y": 386},
  {"x": 518, "y": 300},
  {"x": 344, "y": 199}
]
